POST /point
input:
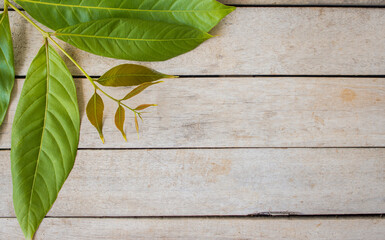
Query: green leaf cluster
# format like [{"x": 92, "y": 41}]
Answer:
[
  {"x": 46, "y": 127},
  {"x": 141, "y": 30}
]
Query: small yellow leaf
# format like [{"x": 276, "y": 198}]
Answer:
[
  {"x": 119, "y": 120},
  {"x": 94, "y": 109},
  {"x": 137, "y": 125},
  {"x": 139, "y": 89},
  {"x": 144, "y": 106}
]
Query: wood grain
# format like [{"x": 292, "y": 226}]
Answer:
[
  {"x": 240, "y": 112},
  {"x": 232, "y": 112},
  {"x": 201, "y": 228},
  {"x": 199, "y": 182},
  {"x": 268, "y": 41}
]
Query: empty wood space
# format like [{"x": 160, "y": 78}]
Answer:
[
  {"x": 212, "y": 182},
  {"x": 275, "y": 130}
]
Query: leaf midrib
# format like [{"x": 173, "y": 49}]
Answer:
[
  {"x": 103, "y": 79},
  {"x": 95, "y": 112},
  {"x": 42, "y": 134},
  {"x": 119, "y": 9},
  {"x": 128, "y": 39}
]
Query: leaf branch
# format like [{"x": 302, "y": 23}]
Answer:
[
  {"x": 44, "y": 33},
  {"x": 47, "y": 35}
]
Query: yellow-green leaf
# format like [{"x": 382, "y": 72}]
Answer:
[
  {"x": 144, "y": 106},
  {"x": 119, "y": 120},
  {"x": 136, "y": 124},
  {"x": 130, "y": 75},
  {"x": 139, "y": 89},
  {"x": 95, "y": 108}
]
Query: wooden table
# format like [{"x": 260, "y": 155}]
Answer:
[{"x": 275, "y": 130}]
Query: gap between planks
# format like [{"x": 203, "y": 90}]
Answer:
[
  {"x": 247, "y": 76},
  {"x": 267, "y": 215},
  {"x": 211, "y": 148}
]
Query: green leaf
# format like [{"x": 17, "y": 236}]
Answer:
[
  {"x": 45, "y": 137},
  {"x": 7, "y": 69},
  {"x": 133, "y": 39},
  {"x": 130, "y": 75},
  {"x": 119, "y": 120},
  {"x": 56, "y": 14},
  {"x": 144, "y": 106},
  {"x": 139, "y": 89},
  {"x": 94, "y": 109}
]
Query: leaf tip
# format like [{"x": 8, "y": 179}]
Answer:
[
  {"x": 171, "y": 76},
  {"x": 232, "y": 8},
  {"x": 102, "y": 138}
]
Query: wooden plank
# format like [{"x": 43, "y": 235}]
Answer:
[
  {"x": 217, "y": 182},
  {"x": 307, "y": 2},
  {"x": 241, "y": 112},
  {"x": 201, "y": 228},
  {"x": 289, "y": 41}
]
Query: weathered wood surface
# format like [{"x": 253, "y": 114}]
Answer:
[
  {"x": 217, "y": 182},
  {"x": 201, "y": 228},
  {"x": 240, "y": 112},
  {"x": 233, "y": 112},
  {"x": 304, "y": 41}
]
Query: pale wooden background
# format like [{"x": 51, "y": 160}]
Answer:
[{"x": 282, "y": 116}]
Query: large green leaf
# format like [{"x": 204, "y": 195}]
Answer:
[
  {"x": 133, "y": 39},
  {"x": 7, "y": 70},
  {"x": 45, "y": 136},
  {"x": 130, "y": 75},
  {"x": 56, "y": 14}
]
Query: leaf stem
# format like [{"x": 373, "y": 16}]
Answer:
[
  {"x": 6, "y": 3},
  {"x": 86, "y": 74},
  {"x": 73, "y": 61},
  {"x": 116, "y": 100},
  {"x": 47, "y": 35}
]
